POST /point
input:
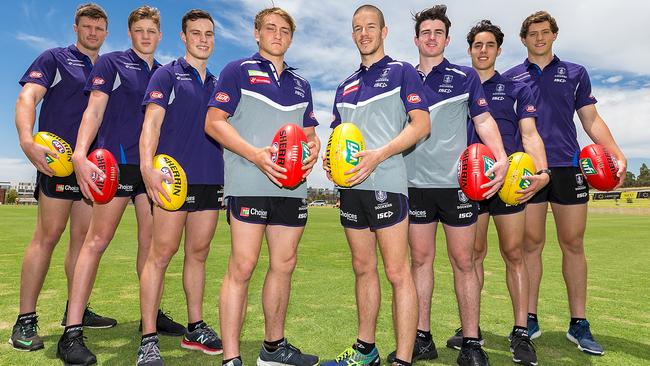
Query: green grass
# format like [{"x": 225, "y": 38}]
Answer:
[{"x": 322, "y": 313}]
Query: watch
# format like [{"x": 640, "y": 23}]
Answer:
[{"x": 547, "y": 171}]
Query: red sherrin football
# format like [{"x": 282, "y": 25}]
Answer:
[
  {"x": 291, "y": 144},
  {"x": 474, "y": 162},
  {"x": 107, "y": 163},
  {"x": 599, "y": 167}
]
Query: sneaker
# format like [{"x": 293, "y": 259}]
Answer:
[
  {"x": 72, "y": 350},
  {"x": 92, "y": 319},
  {"x": 456, "y": 341},
  {"x": 352, "y": 357},
  {"x": 533, "y": 328},
  {"x": 149, "y": 354},
  {"x": 522, "y": 348},
  {"x": 24, "y": 336},
  {"x": 422, "y": 350},
  {"x": 234, "y": 362},
  {"x": 166, "y": 325},
  {"x": 472, "y": 355},
  {"x": 580, "y": 334},
  {"x": 286, "y": 354},
  {"x": 203, "y": 339}
]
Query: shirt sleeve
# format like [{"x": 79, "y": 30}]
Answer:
[
  {"x": 335, "y": 110},
  {"x": 412, "y": 90},
  {"x": 477, "y": 102},
  {"x": 583, "y": 94},
  {"x": 227, "y": 93},
  {"x": 42, "y": 71},
  {"x": 309, "y": 118},
  {"x": 159, "y": 88},
  {"x": 526, "y": 103},
  {"x": 102, "y": 76}
]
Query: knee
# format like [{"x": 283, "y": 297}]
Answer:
[
  {"x": 198, "y": 253},
  {"x": 364, "y": 266},
  {"x": 421, "y": 258},
  {"x": 398, "y": 275},
  {"x": 463, "y": 263},
  {"x": 47, "y": 237},
  {"x": 241, "y": 270},
  {"x": 572, "y": 246},
  {"x": 162, "y": 256},
  {"x": 513, "y": 256},
  {"x": 285, "y": 265},
  {"x": 480, "y": 252}
]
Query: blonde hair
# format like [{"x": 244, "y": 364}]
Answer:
[
  {"x": 145, "y": 12},
  {"x": 277, "y": 11}
]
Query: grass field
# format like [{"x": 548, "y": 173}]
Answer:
[{"x": 322, "y": 313}]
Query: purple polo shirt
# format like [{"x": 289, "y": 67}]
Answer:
[
  {"x": 63, "y": 72},
  {"x": 560, "y": 89},
  {"x": 123, "y": 76},
  {"x": 509, "y": 102},
  {"x": 178, "y": 88}
]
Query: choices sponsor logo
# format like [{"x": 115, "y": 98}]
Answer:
[
  {"x": 35, "y": 74},
  {"x": 98, "y": 81},
  {"x": 413, "y": 98},
  {"x": 125, "y": 187},
  {"x": 156, "y": 94},
  {"x": 222, "y": 97},
  {"x": 525, "y": 183},
  {"x": 351, "y": 148},
  {"x": 244, "y": 212},
  {"x": 349, "y": 216},
  {"x": 60, "y": 188},
  {"x": 418, "y": 213},
  {"x": 587, "y": 167}
]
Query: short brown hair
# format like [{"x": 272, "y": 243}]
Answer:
[
  {"x": 90, "y": 10},
  {"x": 437, "y": 12},
  {"x": 195, "y": 14},
  {"x": 382, "y": 22},
  {"x": 538, "y": 17},
  {"x": 485, "y": 26},
  {"x": 259, "y": 17},
  {"x": 145, "y": 12}
]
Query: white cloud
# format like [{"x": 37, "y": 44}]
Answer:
[
  {"x": 36, "y": 42},
  {"x": 614, "y": 79},
  {"x": 17, "y": 170}
]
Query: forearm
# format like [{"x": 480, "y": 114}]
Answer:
[
  {"x": 25, "y": 119},
  {"x": 148, "y": 144}
]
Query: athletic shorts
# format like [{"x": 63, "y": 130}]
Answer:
[
  {"x": 495, "y": 207},
  {"x": 448, "y": 205},
  {"x": 567, "y": 187},
  {"x": 285, "y": 211},
  {"x": 130, "y": 182},
  {"x": 361, "y": 209},
  {"x": 202, "y": 197},
  {"x": 65, "y": 188}
]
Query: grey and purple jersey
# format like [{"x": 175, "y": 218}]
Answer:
[
  {"x": 509, "y": 101},
  {"x": 454, "y": 93},
  {"x": 123, "y": 76},
  {"x": 377, "y": 100},
  {"x": 177, "y": 87},
  {"x": 63, "y": 72},
  {"x": 259, "y": 102},
  {"x": 560, "y": 90}
]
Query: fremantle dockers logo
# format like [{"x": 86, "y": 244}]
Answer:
[
  {"x": 351, "y": 148},
  {"x": 561, "y": 70},
  {"x": 447, "y": 79},
  {"x": 587, "y": 167},
  {"x": 524, "y": 183},
  {"x": 580, "y": 179},
  {"x": 462, "y": 197},
  {"x": 501, "y": 88},
  {"x": 384, "y": 73},
  {"x": 381, "y": 196}
]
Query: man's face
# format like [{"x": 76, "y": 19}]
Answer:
[
  {"x": 432, "y": 38},
  {"x": 199, "y": 38},
  {"x": 539, "y": 39},
  {"x": 145, "y": 36},
  {"x": 274, "y": 36},
  {"x": 484, "y": 51},
  {"x": 91, "y": 33},
  {"x": 367, "y": 33}
]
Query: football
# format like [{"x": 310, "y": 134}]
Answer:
[
  {"x": 520, "y": 165},
  {"x": 345, "y": 141},
  {"x": 177, "y": 187},
  {"x": 599, "y": 167},
  {"x": 62, "y": 166},
  {"x": 474, "y": 162},
  {"x": 291, "y": 148},
  {"x": 107, "y": 163}
]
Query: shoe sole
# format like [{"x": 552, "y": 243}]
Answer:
[
  {"x": 426, "y": 356},
  {"x": 536, "y": 335},
  {"x": 199, "y": 347},
  {"x": 58, "y": 355},
  {"x": 24, "y": 349},
  {"x": 261, "y": 362},
  {"x": 585, "y": 350},
  {"x": 95, "y": 326}
]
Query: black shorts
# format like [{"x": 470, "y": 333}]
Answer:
[
  {"x": 130, "y": 182},
  {"x": 362, "y": 209},
  {"x": 448, "y": 205},
  {"x": 567, "y": 187},
  {"x": 285, "y": 211},
  {"x": 65, "y": 188},
  {"x": 495, "y": 206},
  {"x": 203, "y": 197}
]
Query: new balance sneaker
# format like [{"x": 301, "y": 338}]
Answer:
[
  {"x": 352, "y": 357},
  {"x": 533, "y": 327},
  {"x": 203, "y": 339},
  {"x": 286, "y": 354},
  {"x": 166, "y": 325},
  {"x": 149, "y": 353},
  {"x": 72, "y": 350},
  {"x": 423, "y": 349},
  {"x": 456, "y": 341},
  {"x": 472, "y": 355},
  {"x": 24, "y": 336},
  {"x": 580, "y": 334},
  {"x": 92, "y": 319},
  {"x": 522, "y": 348}
]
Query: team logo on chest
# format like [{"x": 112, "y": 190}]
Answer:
[
  {"x": 561, "y": 70},
  {"x": 258, "y": 77},
  {"x": 560, "y": 75},
  {"x": 447, "y": 79},
  {"x": 382, "y": 80},
  {"x": 500, "y": 88},
  {"x": 499, "y": 92},
  {"x": 446, "y": 86}
]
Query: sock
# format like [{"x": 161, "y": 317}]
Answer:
[
  {"x": 401, "y": 363},
  {"x": 150, "y": 337},
  {"x": 192, "y": 326},
  {"x": 521, "y": 330},
  {"x": 224, "y": 362},
  {"x": 424, "y": 334},
  {"x": 364, "y": 347},
  {"x": 25, "y": 316},
  {"x": 73, "y": 328},
  {"x": 532, "y": 316},
  {"x": 272, "y": 346},
  {"x": 469, "y": 341},
  {"x": 575, "y": 321}
]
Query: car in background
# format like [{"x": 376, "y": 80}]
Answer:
[{"x": 317, "y": 203}]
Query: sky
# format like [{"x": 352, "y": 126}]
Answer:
[{"x": 608, "y": 38}]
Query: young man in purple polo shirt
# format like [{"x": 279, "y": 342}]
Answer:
[
  {"x": 176, "y": 104},
  {"x": 57, "y": 77},
  {"x": 513, "y": 107},
  {"x": 385, "y": 99},
  {"x": 253, "y": 99},
  {"x": 561, "y": 89}
]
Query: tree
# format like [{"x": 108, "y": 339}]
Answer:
[
  {"x": 11, "y": 196},
  {"x": 643, "y": 180},
  {"x": 630, "y": 180}
]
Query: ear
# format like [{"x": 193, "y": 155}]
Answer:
[
  {"x": 384, "y": 32},
  {"x": 183, "y": 38},
  {"x": 498, "y": 51},
  {"x": 469, "y": 51},
  {"x": 75, "y": 28},
  {"x": 447, "y": 41},
  {"x": 256, "y": 35}
]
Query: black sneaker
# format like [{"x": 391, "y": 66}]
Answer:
[
  {"x": 456, "y": 341},
  {"x": 472, "y": 355},
  {"x": 522, "y": 348},
  {"x": 166, "y": 325},
  {"x": 149, "y": 353},
  {"x": 24, "y": 336},
  {"x": 203, "y": 339},
  {"x": 286, "y": 354},
  {"x": 72, "y": 350},
  {"x": 422, "y": 350},
  {"x": 92, "y": 319}
]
